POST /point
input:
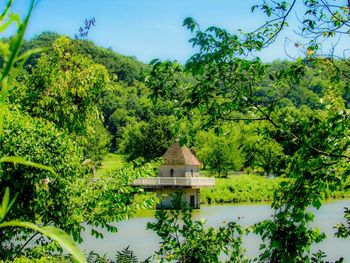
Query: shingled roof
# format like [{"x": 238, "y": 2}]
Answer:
[{"x": 177, "y": 155}]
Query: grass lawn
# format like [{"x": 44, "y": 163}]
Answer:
[{"x": 111, "y": 161}]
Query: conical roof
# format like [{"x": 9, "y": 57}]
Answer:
[{"x": 177, "y": 155}]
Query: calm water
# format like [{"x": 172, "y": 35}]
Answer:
[{"x": 143, "y": 242}]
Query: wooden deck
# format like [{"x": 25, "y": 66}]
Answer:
[{"x": 159, "y": 182}]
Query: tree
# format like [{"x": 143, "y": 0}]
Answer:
[
  {"x": 120, "y": 68},
  {"x": 260, "y": 151},
  {"x": 220, "y": 153},
  {"x": 96, "y": 142},
  {"x": 268, "y": 155},
  {"x": 64, "y": 87},
  {"x": 343, "y": 230},
  {"x": 41, "y": 194},
  {"x": 42, "y": 41},
  {"x": 148, "y": 140}
]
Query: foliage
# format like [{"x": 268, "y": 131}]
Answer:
[
  {"x": 60, "y": 94},
  {"x": 96, "y": 142},
  {"x": 107, "y": 199},
  {"x": 302, "y": 108},
  {"x": 41, "y": 193},
  {"x": 94, "y": 257},
  {"x": 343, "y": 230},
  {"x": 241, "y": 188},
  {"x": 64, "y": 88},
  {"x": 317, "y": 166},
  {"x": 54, "y": 233},
  {"x": 148, "y": 140},
  {"x": 120, "y": 68},
  {"x": 126, "y": 256},
  {"x": 220, "y": 153},
  {"x": 43, "y": 42},
  {"x": 184, "y": 240},
  {"x": 38, "y": 141},
  {"x": 262, "y": 152},
  {"x": 251, "y": 188},
  {"x": 124, "y": 106}
]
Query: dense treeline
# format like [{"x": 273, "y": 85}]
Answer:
[{"x": 124, "y": 119}]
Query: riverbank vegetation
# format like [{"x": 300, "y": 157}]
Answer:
[{"x": 251, "y": 188}]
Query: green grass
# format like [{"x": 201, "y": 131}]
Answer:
[
  {"x": 111, "y": 161},
  {"x": 248, "y": 188}
]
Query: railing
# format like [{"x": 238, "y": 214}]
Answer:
[{"x": 175, "y": 181}]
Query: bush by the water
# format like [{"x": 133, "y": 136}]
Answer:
[
  {"x": 241, "y": 188},
  {"x": 249, "y": 188}
]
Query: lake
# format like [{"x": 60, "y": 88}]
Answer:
[{"x": 143, "y": 242}]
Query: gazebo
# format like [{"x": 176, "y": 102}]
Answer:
[{"x": 180, "y": 171}]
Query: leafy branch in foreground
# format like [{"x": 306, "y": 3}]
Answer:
[
  {"x": 126, "y": 256},
  {"x": 343, "y": 230},
  {"x": 54, "y": 233},
  {"x": 184, "y": 240}
]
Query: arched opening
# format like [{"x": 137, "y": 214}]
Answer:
[{"x": 171, "y": 172}]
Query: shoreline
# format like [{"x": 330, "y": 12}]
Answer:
[
  {"x": 327, "y": 200},
  {"x": 150, "y": 212}
]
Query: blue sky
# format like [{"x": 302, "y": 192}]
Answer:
[{"x": 148, "y": 29}]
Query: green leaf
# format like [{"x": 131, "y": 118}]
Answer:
[
  {"x": 275, "y": 244},
  {"x": 347, "y": 187},
  {"x": 20, "y": 160},
  {"x": 190, "y": 23},
  {"x": 6, "y": 10},
  {"x": 154, "y": 61},
  {"x": 15, "y": 47},
  {"x": 56, "y": 234},
  {"x": 14, "y": 50},
  {"x": 253, "y": 8},
  {"x": 29, "y": 53},
  {"x": 5, "y": 205},
  {"x": 13, "y": 18},
  {"x": 317, "y": 203}
]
